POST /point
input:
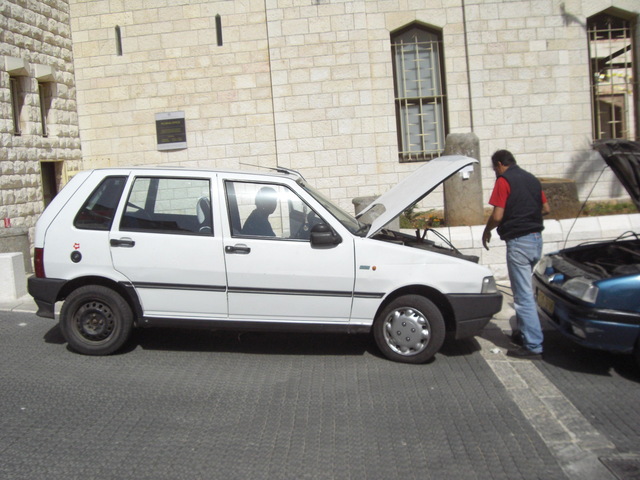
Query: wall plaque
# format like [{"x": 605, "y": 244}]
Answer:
[{"x": 171, "y": 131}]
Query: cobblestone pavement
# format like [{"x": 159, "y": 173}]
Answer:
[
  {"x": 606, "y": 390},
  {"x": 582, "y": 402},
  {"x": 193, "y": 404}
]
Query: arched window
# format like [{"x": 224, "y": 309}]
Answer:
[
  {"x": 420, "y": 93},
  {"x": 612, "y": 71}
]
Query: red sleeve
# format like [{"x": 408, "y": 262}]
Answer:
[
  {"x": 501, "y": 191},
  {"x": 544, "y": 198}
]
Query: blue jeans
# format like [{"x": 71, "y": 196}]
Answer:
[{"x": 522, "y": 255}]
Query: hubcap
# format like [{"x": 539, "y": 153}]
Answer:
[
  {"x": 407, "y": 331},
  {"x": 94, "y": 321}
]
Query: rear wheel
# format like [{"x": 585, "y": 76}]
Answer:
[
  {"x": 95, "y": 320},
  {"x": 409, "y": 330}
]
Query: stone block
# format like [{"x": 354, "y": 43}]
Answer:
[
  {"x": 12, "y": 276},
  {"x": 552, "y": 231},
  {"x": 612, "y": 226},
  {"x": 460, "y": 237},
  {"x": 580, "y": 230},
  {"x": 634, "y": 222}
]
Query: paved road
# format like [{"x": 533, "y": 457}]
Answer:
[{"x": 188, "y": 404}]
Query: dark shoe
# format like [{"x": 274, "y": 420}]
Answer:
[
  {"x": 524, "y": 353},
  {"x": 517, "y": 339}
]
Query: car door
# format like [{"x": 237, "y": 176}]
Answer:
[
  {"x": 273, "y": 271},
  {"x": 167, "y": 242}
]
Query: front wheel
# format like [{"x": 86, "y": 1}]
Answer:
[
  {"x": 95, "y": 320},
  {"x": 409, "y": 330}
]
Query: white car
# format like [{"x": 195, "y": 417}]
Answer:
[{"x": 146, "y": 247}]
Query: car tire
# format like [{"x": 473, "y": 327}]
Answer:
[
  {"x": 95, "y": 320},
  {"x": 409, "y": 330}
]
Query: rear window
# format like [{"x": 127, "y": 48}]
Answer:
[{"x": 98, "y": 211}]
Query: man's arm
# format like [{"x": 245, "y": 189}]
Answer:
[
  {"x": 493, "y": 222},
  {"x": 546, "y": 209}
]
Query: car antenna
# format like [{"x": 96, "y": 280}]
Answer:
[
  {"x": 288, "y": 171},
  {"x": 278, "y": 169}
]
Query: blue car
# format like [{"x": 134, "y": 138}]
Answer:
[{"x": 591, "y": 292}]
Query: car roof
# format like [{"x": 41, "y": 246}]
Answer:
[{"x": 272, "y": 171}]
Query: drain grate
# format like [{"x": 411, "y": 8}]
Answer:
[{"x": 624, "y": 467}]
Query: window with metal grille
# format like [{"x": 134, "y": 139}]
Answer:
[
  {"x": 420, "y": 94},
  {"x": 612, "y": 72}
]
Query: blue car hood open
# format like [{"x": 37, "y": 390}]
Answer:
[{"x": 623, "y": 157}]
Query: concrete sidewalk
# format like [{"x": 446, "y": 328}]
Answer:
[{"x": 23, "y": 304}]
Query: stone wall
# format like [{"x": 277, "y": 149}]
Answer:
[
  {"x": 35, "y": 47},
  {"x": 309, "y": 85},
  {"x": 306, "y": 84}
]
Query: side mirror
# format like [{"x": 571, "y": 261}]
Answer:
[{"x": 323, "y": 234}]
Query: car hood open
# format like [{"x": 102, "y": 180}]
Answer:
[
  {"x": 623, "y": 157},
  {"x": 411, "y": 190}
]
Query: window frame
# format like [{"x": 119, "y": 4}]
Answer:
[
  {"x": 283, "y": 222},
  {"x": 92, "y": 200},
  {"x": 614, "y": 95},
  {"x": 156, "y": 219},
  {"x": 428, "y": 149}
]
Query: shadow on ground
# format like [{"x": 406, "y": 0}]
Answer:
[
  {"x": 563, "y": 353},
  {"x": 275, "y": 343}
]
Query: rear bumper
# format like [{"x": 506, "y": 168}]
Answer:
[
  {"x": 473, "y": 312},
  {"x": 610, "y": 330},
  {"x": 45, "y": 293}
]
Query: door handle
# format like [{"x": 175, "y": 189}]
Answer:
[
  {"x": 122, "y": 242},
  {"x": 241, "y": 249}
]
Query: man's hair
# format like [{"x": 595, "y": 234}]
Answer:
[{"x": 505, "y": 157}]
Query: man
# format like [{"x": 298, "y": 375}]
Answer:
[{"x": 518, "y": 207}]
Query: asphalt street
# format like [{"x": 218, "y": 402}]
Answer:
[{"x": 205, "y": 405}]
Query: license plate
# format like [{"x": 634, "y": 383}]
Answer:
[{"x": 544, "y": 302}]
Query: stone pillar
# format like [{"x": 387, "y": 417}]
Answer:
[
  {"x": 463, "y": 191},
  {"x": 13, "y": 283}
]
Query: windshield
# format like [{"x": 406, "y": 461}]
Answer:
[{"x": 350, "y": 223}]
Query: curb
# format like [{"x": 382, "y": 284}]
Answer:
[{"x": 24, "y": 304}]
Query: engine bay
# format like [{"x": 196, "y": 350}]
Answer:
[
  {"x": 420, "y": 241},
  {"x": 608, "y": 259}
]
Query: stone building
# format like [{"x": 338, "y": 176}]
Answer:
[
  {"x": 39, "y": 121},
  {"x": 353, "y": 94}
]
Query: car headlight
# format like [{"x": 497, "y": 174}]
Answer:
[
  {"x": 489, "y": 285},
  {"x": 582, "y": 288}
]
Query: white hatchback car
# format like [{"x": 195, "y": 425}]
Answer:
[{"x": 143, "y": 247}]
